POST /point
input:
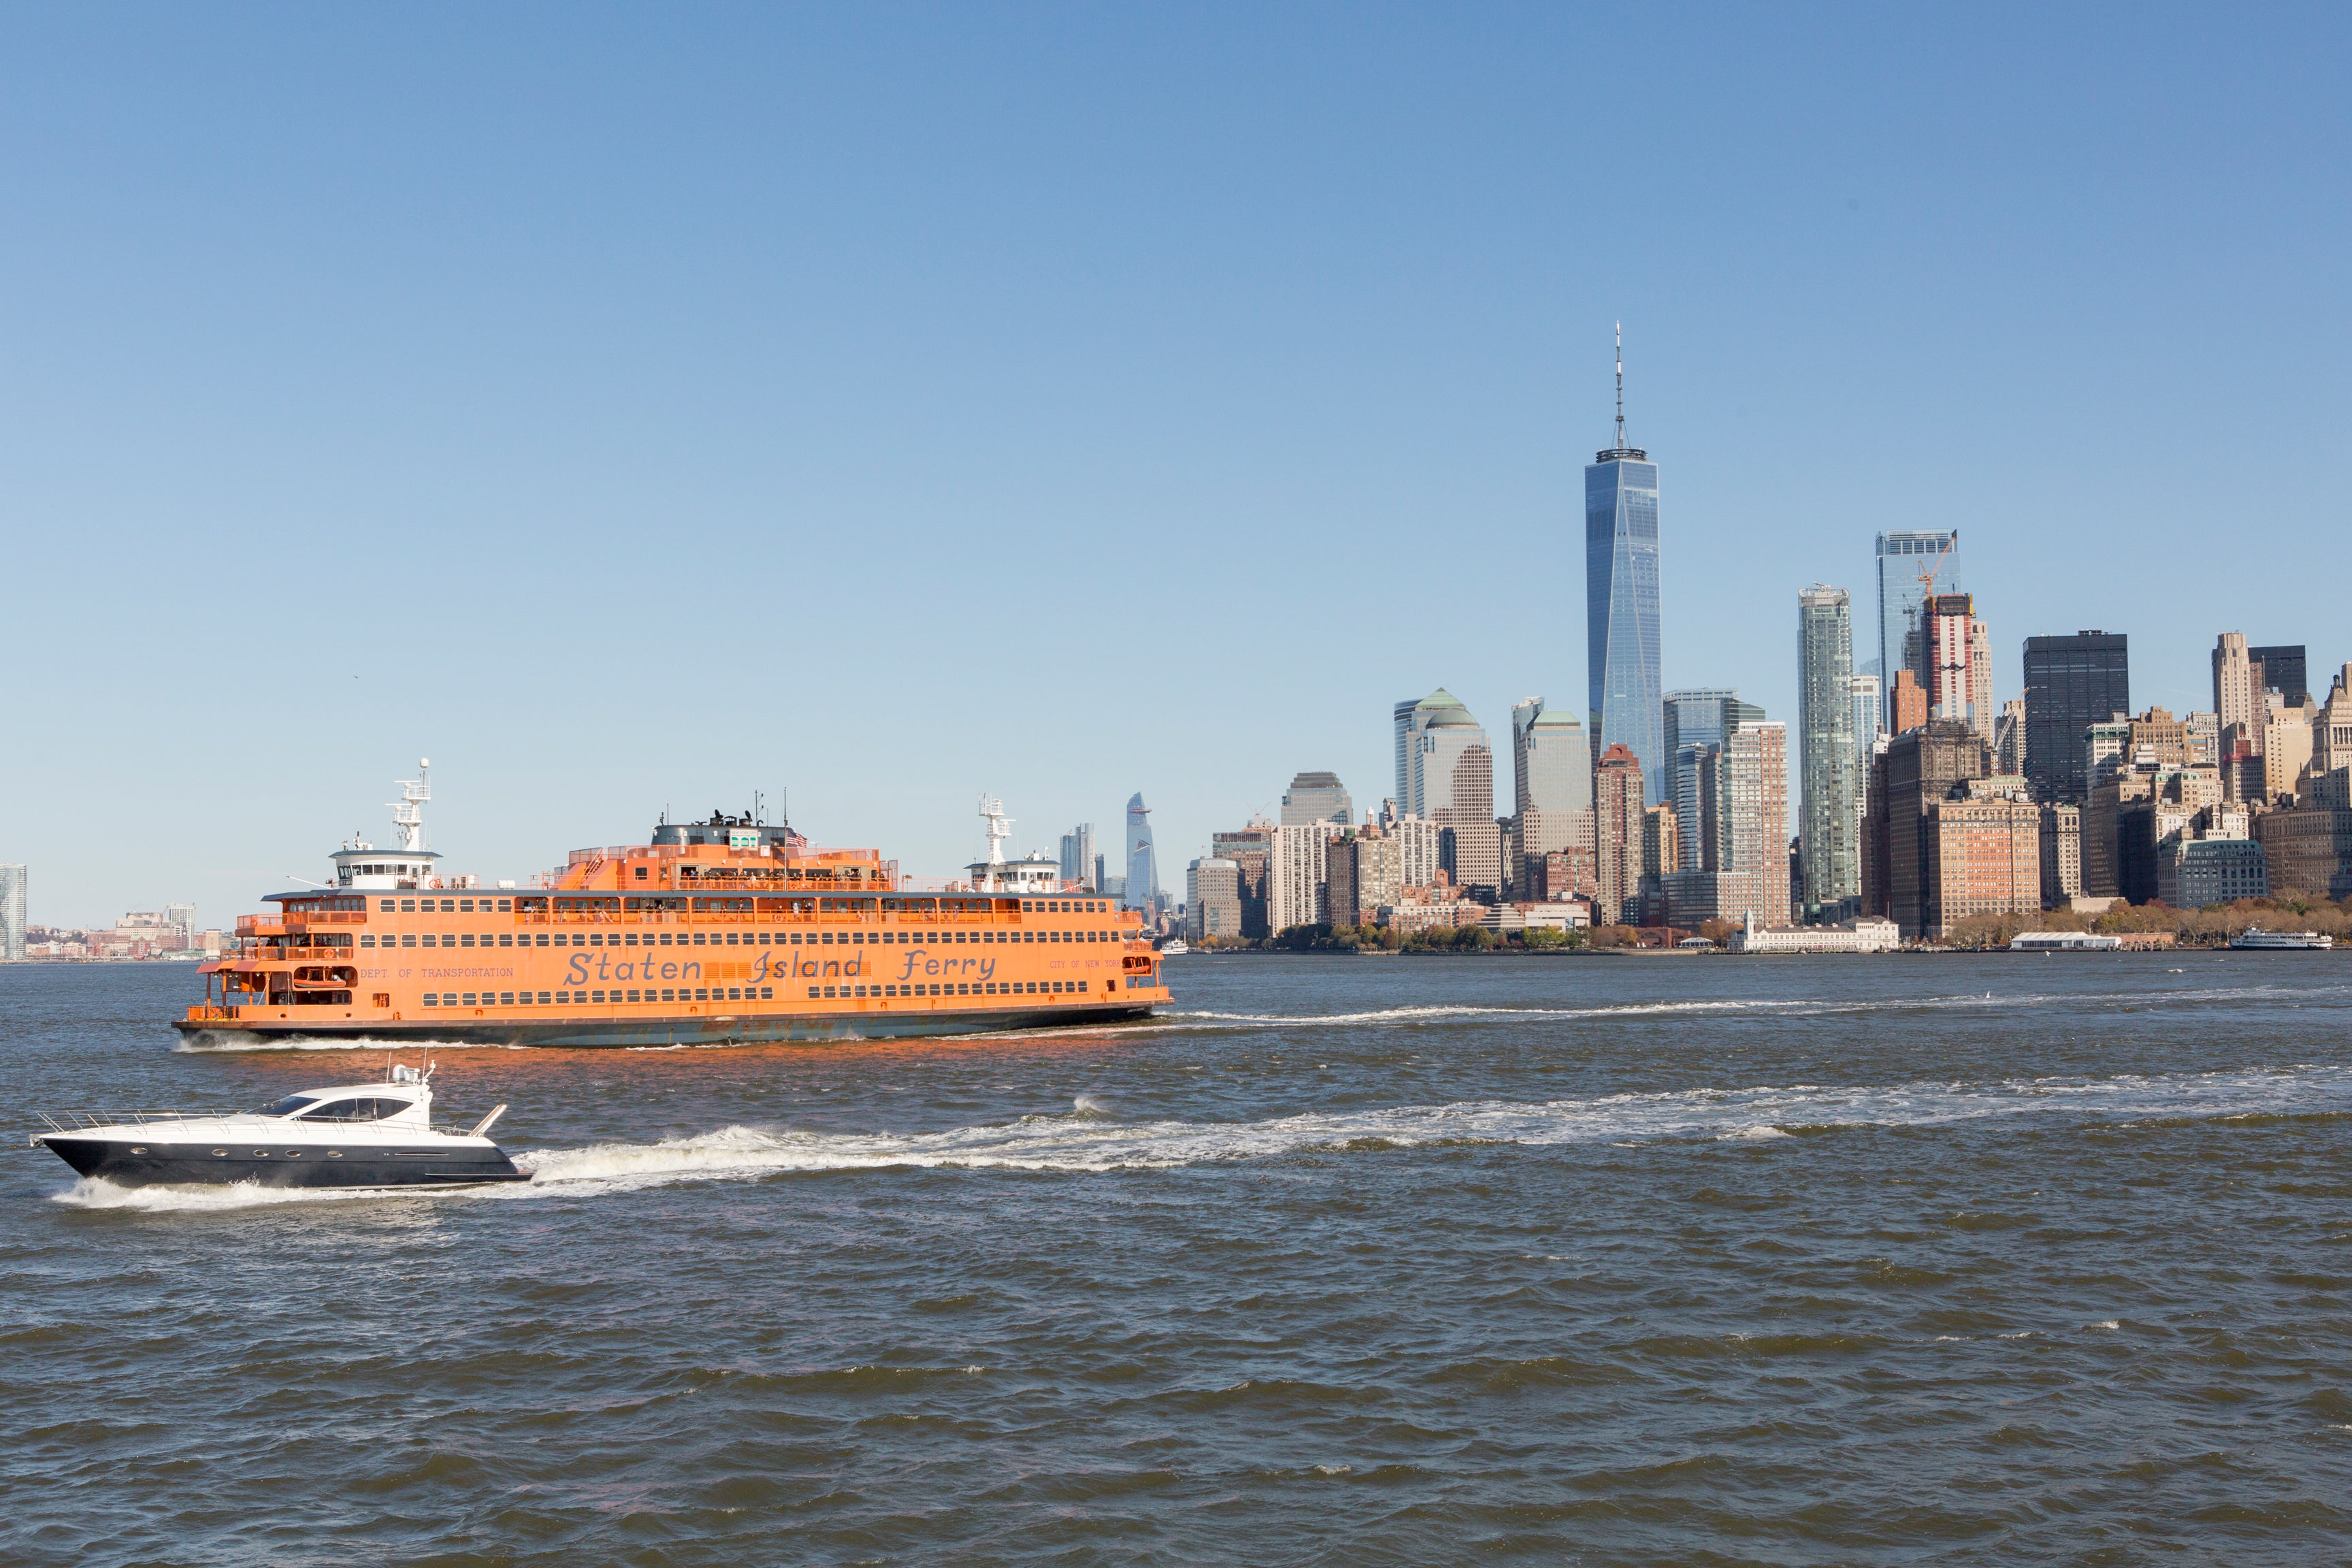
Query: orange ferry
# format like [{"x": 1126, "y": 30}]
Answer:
[{"x": 720, "y": 933}]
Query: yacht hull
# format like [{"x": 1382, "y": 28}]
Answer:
[{"x": 156, "y": 1163}]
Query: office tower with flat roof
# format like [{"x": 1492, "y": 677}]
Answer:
[
  {"x": 1695, "y": 722},
  {"x": 1704, "y": 713},
  {"x": 2283, "y": 671},
  {"x": 12, "y": 912},
  {"x": 1755, "y": 814},
  {"x": 1869, "y": 719},
  {"x": 1552, "y": 792},
  {"x": 1142, "y": 867},
  {"x": 2062, "y": 855},
  {"x": 1318, "y": 798},
  {"x": 1832, "y": 870},
  {"x": 182, "y": 918},
  {"x": 1984, "y": 855},
  {"x": 1213, "y": 901},
  {"x": 1620, "y": 601},
  {"x": 1297, "y": 891},
  {"x": 1251, "y": 849},
  {"x": 1617, "y": 838},
  {"x": 1919, "y": 768},
  {"x": 2071, "y": 683},
  {"x": 1912, "y": 567},
  {"x": 1078, "y": 853},
  {"x": 1552, "y": 762}
]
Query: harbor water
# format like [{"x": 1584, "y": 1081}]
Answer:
[{"x": 1404, "y": 1260}]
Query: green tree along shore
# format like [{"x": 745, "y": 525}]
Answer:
[{"x": 2211, "y": 926}]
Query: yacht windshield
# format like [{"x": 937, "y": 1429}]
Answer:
[
  {"x": 357, "y": 1111},
  {"x": 289, "y": 1105}
]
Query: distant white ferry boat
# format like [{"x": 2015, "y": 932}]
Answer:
[
  {"x": 2063, "y": 942},
  {"x": 1175, "y": 949},
  {"x": 2256, "y": 937}
]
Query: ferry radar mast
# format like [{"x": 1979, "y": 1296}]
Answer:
[
  {"x": 1000, "y": 827},
  {"x": 408, "y": 811}
]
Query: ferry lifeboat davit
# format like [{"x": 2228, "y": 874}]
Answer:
[{"x": 725, "y": 932}]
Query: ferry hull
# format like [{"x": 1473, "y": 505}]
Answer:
[
  {"x": 156, "y": 1163},
  {"x": 578, "y": 1034}
]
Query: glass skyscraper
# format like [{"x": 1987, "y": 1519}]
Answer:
[
  {"x": 1695, "y": 724},
  {"x": 1142, "y": 867},
  {"x": 2071, "y": 683},
  {"x": 1551, "y": 761},
  {"x": 1902, "y": 557},
  {"x": 1826, "y": 731},
  {"x": 1620, "y": 607}
]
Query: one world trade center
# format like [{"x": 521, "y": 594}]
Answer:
[{"x": 1621, "y": 602}]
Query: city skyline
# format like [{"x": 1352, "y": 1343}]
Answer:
[{"x": 806, "y": 310}]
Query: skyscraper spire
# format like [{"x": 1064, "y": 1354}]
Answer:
[
  {"x": 1621, "y": 386},
  {"x": 1620, "y": 449}
]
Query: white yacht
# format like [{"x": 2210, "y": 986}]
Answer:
[{"x": 351, "y": 1135}]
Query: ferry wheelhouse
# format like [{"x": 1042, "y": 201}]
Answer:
[{"x": 725, "y": 932}]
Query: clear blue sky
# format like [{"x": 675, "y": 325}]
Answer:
[{"x": 644, "y": 405}]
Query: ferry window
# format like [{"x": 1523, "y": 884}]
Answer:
[
  {"x": 386, "y": 906},
  {"x": 767, "y": 993},
  {"x": 408, "y": 941},
  {"x": 506, "y": 999},
  {"x": 367, "y": 941},
  {"x": 464, "y": 906},
  {"x": 505, "y": 903},
  {"x": 665, "y": 939},
  {"x": 1026, "y": 906},
  {"x": 506, "y": 941},
  {"x": 408, "y": 905},
  {"x": 699, "y": 939},
  {"x": 466, "y": 940},
  {"x": 449, "y": 906},
  {"x": 630, "y": 939},
  {"x": 732, "y": 938},
  {"x": 542, "y": 938},
  {"x": 641, "y": 875}
]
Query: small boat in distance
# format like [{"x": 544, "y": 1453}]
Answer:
[
  {"x": 347, "y": 1136},
  {"x": 1173, "y": 948},
  {"x": 2256, "y": 938}
]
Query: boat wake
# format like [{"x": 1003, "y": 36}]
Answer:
[
  {"x": 1090, "y": 1137},
  {"x": 1733, "y": 1006}
]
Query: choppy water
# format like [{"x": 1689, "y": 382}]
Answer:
[{"x": 1348, "y": 1261}]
